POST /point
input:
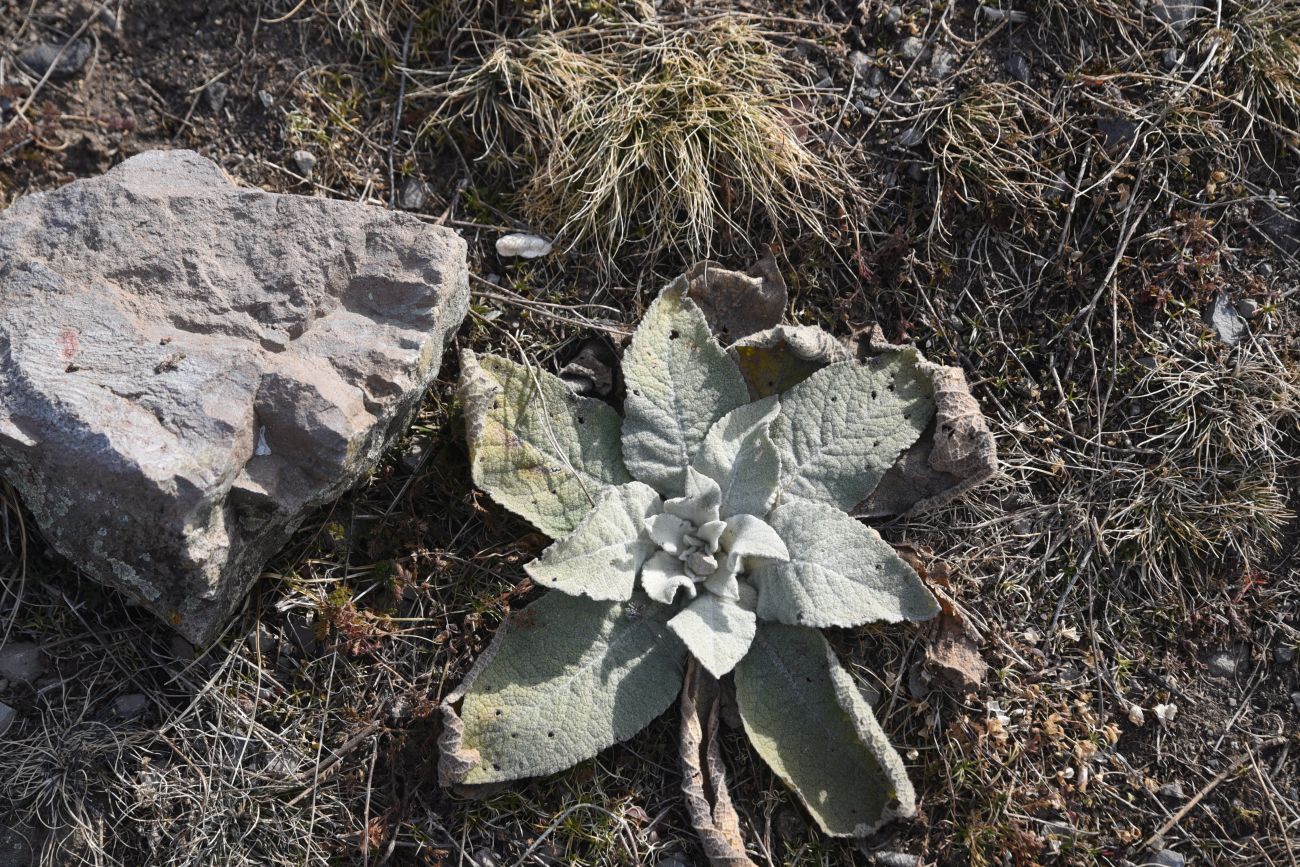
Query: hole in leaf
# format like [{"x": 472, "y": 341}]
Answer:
[
  {"x": 637, "y": 392},
  {"x": 550, "y": 734},
  {"x": 674, "y": 334},
  {"x": 874, "y": 394},
  {"x": 581, "y": 420},
  {"x": 498, "y": 711},
  {"x": 495, "y": 766}
]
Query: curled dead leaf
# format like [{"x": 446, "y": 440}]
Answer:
[
  {"x": 952, "y": 655},
  {"x": 735, "y": 304},
  {"x": 704, "y": 778},
  {"x": 956, "y": 452}
]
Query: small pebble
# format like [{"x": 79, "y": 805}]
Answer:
[
  {"x": 911, "y": 48},
  {"x": 22, "y": 661},
  {"x": 486, "y": 858},
  {"x": 1171, "y": 58},
  {"x": 893, "y": 15},
  {"x": 215, "y": 95},
  {"x": 523, "y": 246},
  {"x": 1295, "y": 700},
  {"x": 941, "y": 63},
  {"x": 414, "y": 194},
  {"x": 910, "y": 137},
  {"x": 130, "y": 706},
  {"x": 266, "y": 99},
  {"x": 305, "y": 161},
  {"x": 41, "y": 57},
  {"x": 261, "y": 640},
  {"x": 1173, "y": 791},
  {"x": 1225, "y": 321},
  {"x": 1284, "y": 654},
  {"x": 1248, "y": 308},
  {"x": 1222, "y": 664},
  {"x": 1163, "y": 858},
  {"x": 1017, "y": 67},
  {"x": 7, "y": 717},
  {"x": 860, "y": 63},
  {"x": 110, "y": 19},
  {"x": 895, "y": 859}
]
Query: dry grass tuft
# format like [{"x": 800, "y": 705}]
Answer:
[
  {"x": 1212, "y": 443},
  {"x": 641, "y": 134},
  {"x": 996, "y": 145},
  {"x": 1264, "y": 35}
]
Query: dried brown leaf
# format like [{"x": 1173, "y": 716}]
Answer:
[{"x": 704, "y": 778}]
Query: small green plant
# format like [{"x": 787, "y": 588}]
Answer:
[{"x": 701, "y": 523}]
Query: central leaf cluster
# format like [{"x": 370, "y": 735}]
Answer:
[
  {"x": 698, "y": 546},
  {"x": 719, "y": 514}
]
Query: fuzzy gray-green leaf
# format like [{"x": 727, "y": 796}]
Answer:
[
  {"x": 679, "y": 382},
  {"x": 716, "y": 631},
  {"x": 739, "y": 455},
  {"x": 841, "y": 429},
  {"x": 603, "y": 554},
  {"x": 806, "y": 718},
  {"x": 570, "y": 677},
  {"x": 840, "y": 572},
  {"x": 535, "y": 447}
]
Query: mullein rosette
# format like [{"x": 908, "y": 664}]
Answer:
[{"x": 709, "y": 520}]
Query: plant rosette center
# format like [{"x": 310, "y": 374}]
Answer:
[{"x": 698, "y": 549}]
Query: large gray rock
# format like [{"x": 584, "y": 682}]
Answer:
[{"x": 187, "y": 367}]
